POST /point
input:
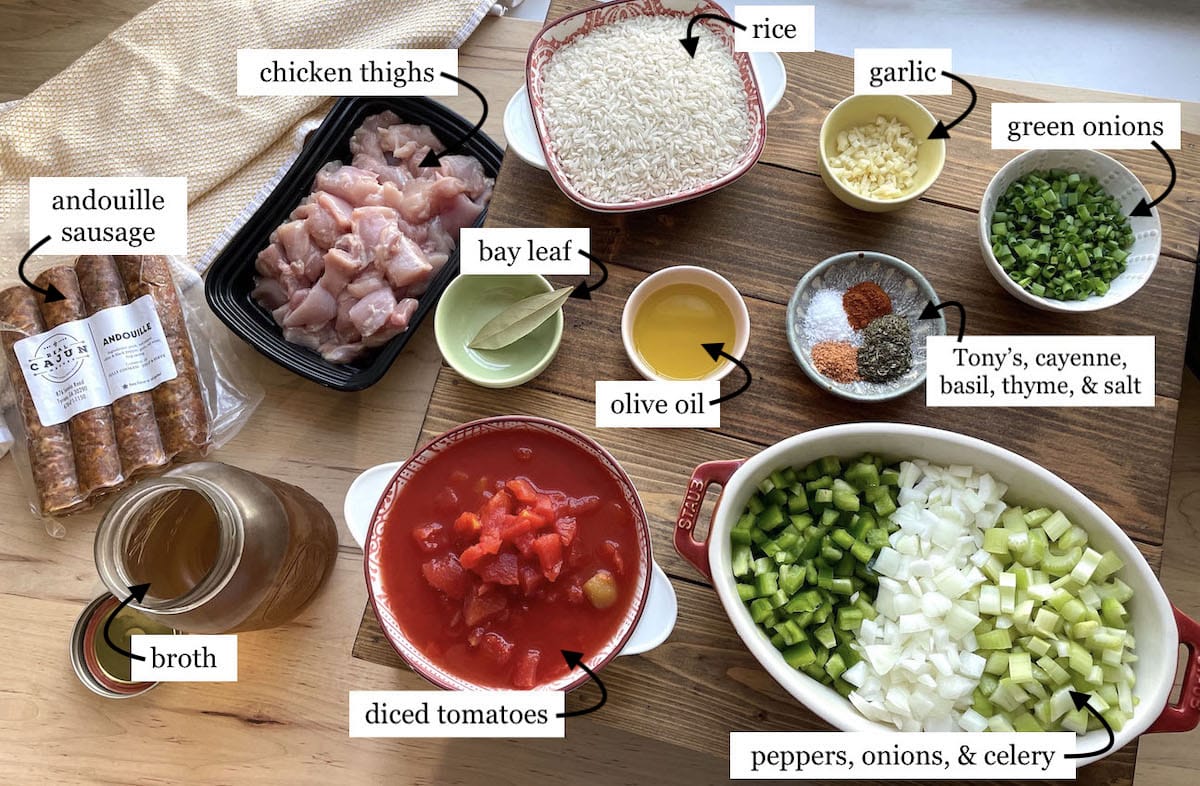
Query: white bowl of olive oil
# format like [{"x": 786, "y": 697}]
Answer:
[{"x": 673, "y": 313}]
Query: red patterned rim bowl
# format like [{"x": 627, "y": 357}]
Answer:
[
  {"x": 386, "y": 607},
  {"x": 575, "y": 25}
]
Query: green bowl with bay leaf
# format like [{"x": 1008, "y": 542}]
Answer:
[{"x": 472, "y": 305}]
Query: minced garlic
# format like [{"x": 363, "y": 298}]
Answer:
[{"x": 877, "y": 160}]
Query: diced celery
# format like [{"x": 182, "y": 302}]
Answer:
[
  {"x": 994, "y": 640},
  {"x": 995, "y": 541},
  {"x": 1055, "y": 525},
  {"x": 1083, "y": 570},
  {"x": 997, "y": 663},
  {"x": 1079, "y": 659}
]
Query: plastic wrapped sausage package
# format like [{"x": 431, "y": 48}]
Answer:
[{"x": 125, "y": 374}]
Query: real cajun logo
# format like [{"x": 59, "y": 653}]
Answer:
[{"x": 59, "y": 357}]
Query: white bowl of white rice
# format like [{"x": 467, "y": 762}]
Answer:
[{"x": 628, "y": 120}]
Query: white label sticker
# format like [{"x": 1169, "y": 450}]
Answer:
[
  {"x": 1085, "y": 126},
  {"x": 775, "y": 28},
  {"x": 1040, "y": 371},
  {"x": 648, "y": 404},
  {"x": 910, "y": 72},
  {"x": 547, "y": 252},
  {"x": 468, "y": 713},
  {"x": 108, "y": 215},
  {"x": 346, "y": 72},
  {"x": 92, "y": 362},
  {"x": 838, "y": 756},
  {"x": 184, "y": 658}
]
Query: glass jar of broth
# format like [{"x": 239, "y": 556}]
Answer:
[{"x": 223, "y": 549}]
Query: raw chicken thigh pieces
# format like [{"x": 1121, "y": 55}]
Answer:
[{"x": 343, "y": 274}]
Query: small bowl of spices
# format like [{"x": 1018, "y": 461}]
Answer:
[{"x": 853, "y": 325}]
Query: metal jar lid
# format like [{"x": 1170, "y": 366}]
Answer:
[{"x": 87, "y": 629}]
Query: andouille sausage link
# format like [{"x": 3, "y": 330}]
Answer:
[
  {"x": 97, "y": 460},
  {"x": 138, "y": 441},
  {"x": 51, "y": 454},
  {"x": 178, "y": 403}
]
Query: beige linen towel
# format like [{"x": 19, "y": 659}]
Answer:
[{"x": 158, "y": 97}]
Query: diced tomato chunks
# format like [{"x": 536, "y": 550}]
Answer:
[
  {"x": 525, "y": 674},
  {"x": 500, "y": 569},
  {"x": 496, "y": 647},
  {"x": 492, "y": 515},
  {"x": 468, "y": 524},
  {"x": 473, "y": 554},
  {"x": 429, "y": 537},
  {"x": 566, "y": 527},
  {"x": 516, "y": 526},
  {"x": 446, "y": 575},
  {"x": 612, "y": 552},
  {"x": 524, "y": 544},
  {"x": 523, "y": 490},
  {"x": 549, "y": 548},
  {"x": 575, "y": 594},
  {"x": 480, "y": 606},
  {"x": 545, "y": 509},
  {"x": 530, "y": 580}
]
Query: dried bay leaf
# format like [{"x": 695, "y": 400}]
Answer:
[{"x": 520, "y": 319}]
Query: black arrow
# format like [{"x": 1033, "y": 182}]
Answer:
[
  {"x": 942, "y": 130},
  {"x": 1081, "y": 700},
  {"x": 931, "y": 312},
  {"x": 52, "y": 294},
  {"x": 1142, "y": 208},
  {"x": 692, "y": 41},
  {"x": 435, "y": 159},
  {"x": 574, "y": 659},
  {"x": 717, "y": 351},
  {"x": 138, "y": 592},
  {"x": 583, "y": 290}
]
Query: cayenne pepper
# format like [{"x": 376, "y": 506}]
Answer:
[{"x": 864, "y": 302}]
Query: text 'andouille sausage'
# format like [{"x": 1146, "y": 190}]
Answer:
[
  {"x": 138, "y": 440},
  {"x": 178, "y": 403},
  {"x": 97, "y": 460},
  {"x": 51, "y": 454}
]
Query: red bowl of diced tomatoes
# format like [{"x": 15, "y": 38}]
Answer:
[{"x": 502, "y": 543}]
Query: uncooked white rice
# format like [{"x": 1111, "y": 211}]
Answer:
[{"x": 631, "y": 116}]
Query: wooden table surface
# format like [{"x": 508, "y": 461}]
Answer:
[
  {"x": 285, "y": 720},
  {"x": 763, "y": 233}
]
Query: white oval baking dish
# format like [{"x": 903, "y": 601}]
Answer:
[{"x": 1158, "y": 626}]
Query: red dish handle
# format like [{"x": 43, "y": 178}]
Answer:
[
  {"x": 1185, "y": 715},
  {"x": 692, "y": 550}
]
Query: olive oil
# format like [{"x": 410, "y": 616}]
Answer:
[{"x": 673, "y": 322}]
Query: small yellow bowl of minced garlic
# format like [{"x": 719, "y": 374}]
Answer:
[{"x": 875, "y": 153}]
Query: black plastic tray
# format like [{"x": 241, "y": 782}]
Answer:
[{"x": 230, "y": 279}]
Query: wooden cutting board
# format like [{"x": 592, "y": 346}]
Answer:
[{"x": 763, "y": 233}]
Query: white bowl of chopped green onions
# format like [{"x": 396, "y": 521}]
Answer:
[
  {"x": 1056, "y": 233},
  {"x": 899, "y": 577}
]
